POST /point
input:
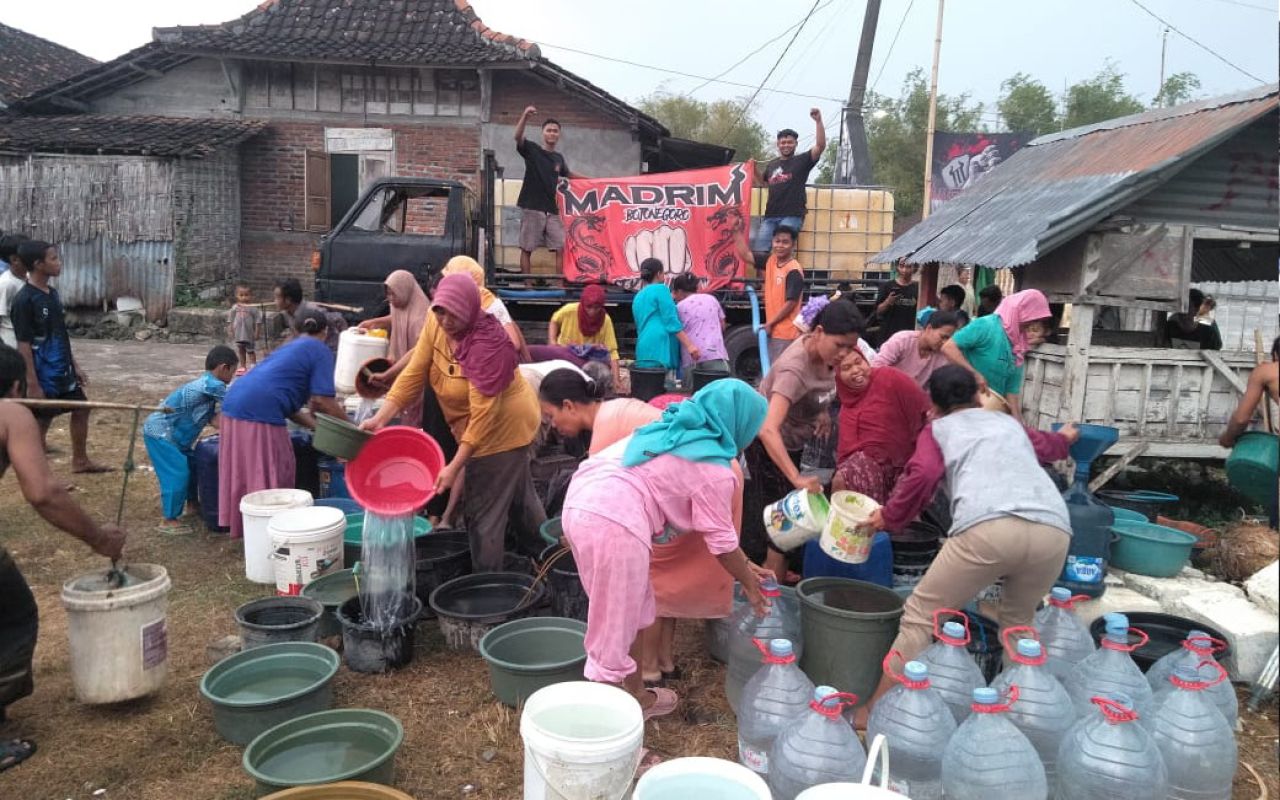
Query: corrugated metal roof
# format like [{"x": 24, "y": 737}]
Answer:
[{"x": 1060, "y": 185}]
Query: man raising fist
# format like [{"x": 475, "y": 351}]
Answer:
[
  {"x": 543, "y": 168},
  {"x": 786, "y": 176}
]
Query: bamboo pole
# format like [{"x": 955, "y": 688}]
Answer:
[
  {"x": 933, "y": 117},
  {"x": 31, "y": 402}
]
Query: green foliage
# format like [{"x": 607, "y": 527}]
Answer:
[
  {"x": 1027, "y": 105},
  {"x": 1178, "y": 88},
  {"x": 720, "y": 122},
  {"x": 827, "y": 164},
  {"x": 1099, "y": 98}
]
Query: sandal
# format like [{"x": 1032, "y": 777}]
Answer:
[
  {"x": 14, "y": 752},
  {"x": 181, "y": 529},
  {"x": 664, "y": 702}
]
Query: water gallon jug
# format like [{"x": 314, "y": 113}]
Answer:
[
  {"x": 1108, "y": 756},
  {"x": 988, "y": 757},
  {"x": 1063, "y": 636},
  {"x": 1196, "y": 649},
  {"x": 778, "y": 693},
  {"x": 782, "y": 622},
  {"x": 1091, "y": 519},
  {"x": 952, "y": 671},
  {"x": 1197, "y": 743},
  {"x": 916, "y": 725},
  {"x": 1043, "y": 712},
  {"x": 1111, "y": 670},
  {"x": 817, "y": 747}
]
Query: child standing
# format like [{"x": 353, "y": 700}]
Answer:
[
  {"x": 244, "y": 327},
  {"x": 169, "y": 437}
]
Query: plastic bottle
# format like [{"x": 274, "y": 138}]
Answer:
[
  {"x": 778, "y": 693},
  {"x": 1196, "y": 649},
  {"x": 1111, "y": 670},
  {"x": 988, "y": 757},
  {"x": 1063, "y": 636},
  {"x": 952, "y": 671},
  {"x": 1197, "y": 743},
  {"x": 1044, "y": 712},
  {"x": 916, "y": 725},
  {"x": 817, "y": 747},
  {"x": 1108, "y": 756},
  {"x": 1091, "y": 521},
  {"x": 782, "y": 622}
]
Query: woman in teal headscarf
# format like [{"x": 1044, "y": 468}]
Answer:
[
  {"x": 671, "y": 474},
  {"x": 659, "y": 331}
]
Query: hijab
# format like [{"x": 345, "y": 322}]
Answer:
[
  {"x": 1017, "y": 310},
  {"x": 713, "y": 426},
  {"x": 484, "y": 350},
  {"x": 591, "y": 314},
  {"x": 466, "y": 265},
  {"x": 406, "y": 322}
]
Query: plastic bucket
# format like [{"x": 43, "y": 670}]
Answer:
[
  {"x": 306, "y": 543},
  {"x": 256, "y": 510},
  {"x": 796, "y": 518},
  {"x": 1253, "y": 465},
  {"x": 527, "y": 654},
  {"x": 256, "y": 690},
  {"x": 877, "y": 568},
  {"x": 1126, "y": 515},
  {"x": 847, "y": 536},
  {"x": 878, "y": 751},
  {"x": 647, "y": 382},
  {"x": 440, "y": 557},
  {"x": 684, "y": 778},
  {"x": 703, "y": 375},
  {"x": 345, "y": 504},
  {"x": 470, "y": 606},
  {"x": 367, "y": 648},
  {"x": 355, "y": 349},
  {"x": 339, "y": 438},
  {"x": 119, "y": 637},
  {"x": 1149, "y": 549},
  {"x": 581, "y": 740},
  {"x": 344, "y": 744},
  {"x": 205, "y": 457},
  {"x": 848, "y": 627},
  {"x": 345, "y": 790},
  {"x": 568, "y": 598},
  {"x": 272, "y": 620},
  {"x": 331, "y": 591}
]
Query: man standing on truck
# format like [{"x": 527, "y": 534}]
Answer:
[
  {"x": 786, "y": 176},
  {"x": 540, "y": 224},
  {"x": 783, "y": 289}
]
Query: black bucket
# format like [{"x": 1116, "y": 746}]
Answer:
[
  {"x": 469, "y": 607},
  {"x": 440, "y": 557},
  {"x": 911, "y": 561},
  {"x": 368, "y": 649},
  {"x": 568, "y": 597},
  {"x": 647, "y": 382},
  {"x": 984, "y": 643},
  {"x": 272, "y": 620},
  {"x": 1165, "y": 633},
  {"x": 704, "y": 375}
]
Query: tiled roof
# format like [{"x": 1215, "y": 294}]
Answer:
[
  {"x": 132, "y": 135},
  {"x": 28, "y": 63}
]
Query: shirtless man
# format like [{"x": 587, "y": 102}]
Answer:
[{"x": 1265, "y": 378}]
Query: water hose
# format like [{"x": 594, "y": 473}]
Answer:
[{"x": 762, "y": 336}]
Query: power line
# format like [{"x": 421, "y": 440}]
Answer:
[
  {"x": 745, "y": 106},
  {"x": 892, "y": 42},
  {"x": 753, "y": 53},
  {"x": 1247, "y": 5},
  {"x": 1197, "y": 43}
]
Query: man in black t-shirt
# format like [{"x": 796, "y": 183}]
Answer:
[
  {"x": 896, "y": 303},
  {"x": 540, "y": 224},
  {"x": 786, "y": 176}
]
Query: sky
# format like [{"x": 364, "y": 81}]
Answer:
[{"x": 984, "y": 41}]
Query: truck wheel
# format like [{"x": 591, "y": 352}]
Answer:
[{"x": 744, "y": 353}]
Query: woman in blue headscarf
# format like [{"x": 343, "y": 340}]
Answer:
[
  {"x": 674, "y": 473},
  {"x": 659, "y": 331}
]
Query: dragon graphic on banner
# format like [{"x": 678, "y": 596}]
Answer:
[
  {"x": 962, "y": 159},
  {"x": 688, "y": 220}
]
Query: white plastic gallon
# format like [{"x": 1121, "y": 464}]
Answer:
[
  {"x": 355, "y": 347},
  {"x": 257, "y": 509},
  {"x": 692, "y": 778},
  {"x": 581, "y": 740},
  {"x": 306, "y": 543}
]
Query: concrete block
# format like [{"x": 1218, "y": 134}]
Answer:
[
  {"x": 1114, "y": 577},
  {"x": 1166, "y": 590},
  {"x": 1116, "y": 598},
  {"x": 1252, "y": 632},
  {"x": 1262, "y": 587}
]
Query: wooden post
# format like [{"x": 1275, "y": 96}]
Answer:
[
  {"x": 928, "y": 285},
  {"x": 1076, "y": 368},
  {"x": 933, "y": 116}
]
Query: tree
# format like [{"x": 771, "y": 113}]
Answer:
[
  {"x": 1178, "y": 88},
  {"x": 720, "y": 122},
  {"x": 1099, "y": 98},
  {"x": 1027, "y": 105}
]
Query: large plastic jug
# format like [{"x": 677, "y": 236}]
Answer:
[
  {"x": 817, "y": 747},
  {"x": 1091, "y": 521},
  {"x": 778, "y": 693},
  {"x": 1063, "y": 636},
  {"x": 1111, "y": 670},
  {"x": 916, "y": 725},
  {"x": 1197, "y": 743},
  {"x": 952, "y": 671},
  {"x": 1197, "y": 648},
  {"x": 1043, "y": 712},
  {"x": 782, "y": 622},
  {"x": 989, "y": 757},
  {"x": 1108, "y": 756}
]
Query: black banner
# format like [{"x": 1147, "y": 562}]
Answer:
[{"x": 962, "y": 159}]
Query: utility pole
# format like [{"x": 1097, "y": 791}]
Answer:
[
  {"x": 859, "y": 171},
  {"x": 933, "y": 117},
  {"x": 1164, "y": 46}
]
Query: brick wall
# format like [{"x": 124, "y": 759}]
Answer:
[
  {"x": 207, "y": 220},
  {"x": 512, "y": 92}
]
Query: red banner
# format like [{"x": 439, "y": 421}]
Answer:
[{"x": 688, "y": 220}]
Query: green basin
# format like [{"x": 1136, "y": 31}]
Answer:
[
  {"x": 1252, "y": 466},
  {"x": 527, "y": 654},
  {"x": 331, "y": 591},
  {"x": 260, "y": 688},
  {"x": 1149, "y": 549},
  {"x": 348, "y": 744},
  {"x": 338, "y": 437},
  {"x": 353, "y": 536},
  {"x": 552, "y": 530},
  {"x": 1128, "y": 515}
]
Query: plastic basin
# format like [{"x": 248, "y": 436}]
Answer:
[
  {"x": 470, "y": 606},
  {"x": 396, "y": 471},
  {"x": 1150, "y": 549},
  {"x": 551, "y": 530},
  {"x": 279, "y": 619},
  {"x": 848, "y": 627},
  {"x": 338, "y": 437},
  {"x": 353, "y": 536},
  {"x": 1253, "y": 464},
  {"x": 346, "y": 790},
  {"x": 1128, "y": 515},
  {"x": 348, "y": 744},
  {"x": 1165, "y": 633},
  {"x": 258, "y": 689},
  {"x": 525, "y": 655},
  {"x": 1144, "y": 502}
]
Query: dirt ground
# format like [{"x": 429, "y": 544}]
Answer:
[{"x": 459, "y": 742}]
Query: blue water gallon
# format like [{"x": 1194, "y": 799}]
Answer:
[
  {"x": 333, "y": 478},
  {"x": 206, "y": 474},
  {"x": 878, "y": 568}
]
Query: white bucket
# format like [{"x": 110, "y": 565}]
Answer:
[
  {"x": 355, "y": 347},
  {"x": 864, "y": 790},
  {"x": 581, "y": 742},
  {"x": 256, "y": 510},
  {"x": 692, "y": 778},
  {"x": 848, "y": 535},
  {"x": 306, "y": 543},
  {"x": 795, "y": 519},
  {"x": 119, "y": 637}
]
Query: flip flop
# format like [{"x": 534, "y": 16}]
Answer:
[
  {"x": 664, "y": 702},
  {"x": 93, "y": 469},
  {"x": 14, "y": 752},
  {"x": 181, "y": 529}
]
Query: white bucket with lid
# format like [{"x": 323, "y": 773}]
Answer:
[
  {"x": 256, "y": 510},
  {"x": 581, "y": 740},
  {"x": 119, "y": 637},
  {"x": 860, "y": 791},
  {"x": 685, "y": 778},
  {"x": 306, "y": 543},
  {"x": 848, "y": 534},
  {"x": 355, "y": 347},
  {"x": 796, "y": 518}
]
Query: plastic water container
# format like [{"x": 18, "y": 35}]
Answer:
[
  {"x": 1197, "y": 743},
  {"x": 205, "y": 457},
  {"x": 989, "y": 757},
  {"x": 355, "y": 347},
  {"x": 256, "y": 510},
  {"x": 782, "y": 622},
  {"x": 878, "y": 568},
  {"x": 916, "y": 725},
  {"x": 1197, "y": 648},
  {"x": 705, "y": 778},
  {"x": 333, "y": 478},
  {"x": 1044, "y": 712},
  {"x": 306, "y": 543},
  {"x": 1111, "y": 670},
  {"x": 817, "y": 747},
  {"x": 778, "y": 693},
  {"x": 1108, "y": 756},
  {"x": 1063, "y": 636},
  {"x": 581, "y": 739},
  {"x": 952, "y": 671}
]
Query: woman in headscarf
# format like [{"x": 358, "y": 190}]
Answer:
[
  {"x": 581, "y": 332},
  {"x": 994, "y": 347},
  {"x": 672, "y": 473},
  {"x": 470, "y": 364},
  {"x": 489, "y": 302},
  {"x": 409, "y": 306},
  {"x": 659, "y": 331}
]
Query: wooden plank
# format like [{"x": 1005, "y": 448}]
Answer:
[
  {"x": 1206, "y": 394},
  {"x": 1077, "y": 366},
  {"x": 1112, "y": 389},
  {"x": 1144, "y": 395},
  {"x": 1175, "y": 395},
  {"x": 1113, "y": 470},
  {"x": 1110, "y": 272},
  {"x": 1217, "y": 363}
]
